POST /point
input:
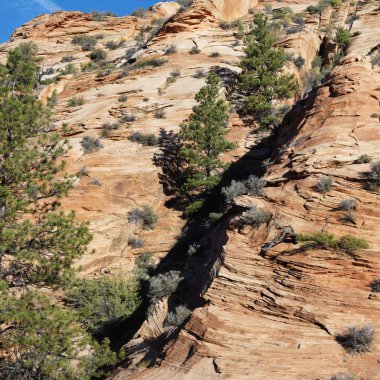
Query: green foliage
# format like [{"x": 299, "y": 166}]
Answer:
[
  {"x": 343, "y": 38},
  {"x": 99, "y": 16},
  {"x": 140, "y": 12},
  {"x": 37, "y": 242},
  {"x": 104, "y": 302},
  {"x": 148, "y": 139},
  {"x": 152, "y": 62},
  {"x": 69, "y": 69},
  {"x": 262, "y": 80},
  {"x": 145, "y": 217},
  {"x": 112, "y": 45},
  {"x": 325, "y": 184},
  {"x": 86, "y": 42},
  {"x": 75, "y": 102},
  {"x": 136, "y": 242},
  {"x": 363, "y": 159},
  {"x": 203, "y": 138},
  {"x": 98, "y": 55},
  {"x": 176, "y": 318},
  {"x": 325, "y": 240},
  {"x": 163, "y": 285},
  {"x": 43, "y": 341}
]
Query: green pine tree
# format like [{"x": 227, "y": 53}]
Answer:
[
  {"x": 203, "y": 138},
  {"x": 38, "y": 243},
  {"x": 262, "y": 80}
]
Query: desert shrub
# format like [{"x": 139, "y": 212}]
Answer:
[
  {"x": 96, "y": 182},
  {"x": 122, "y": 98},
  {"x": 299, "y": 62},
  {"x": 69, "y": 69},
  {"x": 153, "y": 62},
  {"x": 143, "y": 216},
  {"x": 200, "y": 73},
  {"x": 335, "y": 3},
  {"x": 375, "y": 59},
  {"x": 325, "y": 184},
  {"x": 299, "y": 20},
  {"x": 193, "y": 249},
  {"x": 256, "y": 216},
  {"x": 98, "y": 55},
  {"x": 145, "y": 261},
  {"x": 136, "y": 242},
  {"x": 343, "y": 38},
  {"x": 148, "y": 139},
  {"x": 235, "y": 189},
  {"x": 112, "y": 45},
  {"x": 375, "y": 115},
  {"x": 159, "y": 114},
  {"x": 185, "y": 4},
  {"x": 163, "y": 285},
  {"x": 375, "y": 285},
  {"x": 171, "y": 49},
  {"x": 99, "y": 36},
  {"x": 348, "y": 205},
  {"x": 214, "y": 216},
  {"x": 356, "y": 340},
  {"x": 75, "y": 102},
  {"x": 91, "y": 144},
  {"x": 214, "y": 54},
  {"x": 363, "y": 159},
  {"x": 176, "y": 318},
  {"x": 128, "y": 118},
  {"x": 99, "y": 16},
  {"x": 312, "y": 79},
  {"x": 229, "y": 25},
  {"x": 83, "y": 171},
  {"x": 374, "y": 176},
  {"x": 104, "y": 73},
  {"x": 343, "y": 376},
  {"x": 104, "y": 302},
  {"x": 108, "y": 128},
  {"x": 255, "y": 185},
  {"x": 140, "y": 12},
  {"x": 88, "y": 66},
  {"x": 67, "y": 58},
  {"x": 325, "y": 240},
  {"x": 348, "y": 218},
  {"x": 86, "y": 42},
  {"x": 195, "y": 50}
]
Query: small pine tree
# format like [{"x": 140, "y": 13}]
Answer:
[
  {"x": 38, "y": 243},
  {"x": 262, "y": 80},
  {"x": 203, "y": 138}
]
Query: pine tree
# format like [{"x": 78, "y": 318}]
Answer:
[
  {"x": 38, "y": 243},
  {"x": 203, "y": 138},
  {"x": 262, "y": 80}
]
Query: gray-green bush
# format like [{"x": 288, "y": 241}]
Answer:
[{"x": 163, "y": 285}]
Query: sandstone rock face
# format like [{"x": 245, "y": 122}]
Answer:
[{"x": 260, "y": 314}]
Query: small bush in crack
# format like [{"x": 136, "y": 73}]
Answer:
[
  {"x": 144, "y": 216},
  {"x": 195, "y": 50},
  {"x": 176, "y": 318},
  {"x": 375, "y": 285},
  {"x": 363, "y": 159},
  {"x": 159, "y": 114},
  {"x": 343, "y": 376},
  {"x": 67, "y": 58},
  {"x": 375, "y": 115},
  {"x": 91, "y": 144},
  {"x": 86, "y": 42},
  {"x": 122, "y": 98},
  {"x": 325, "y": 184},
  {"x": 356, "y": 340},
  {"x": 83, "y": 171},
  {"x": 136, "y": 242},
  {"x": 214, "y": 54},
  {"x": 348, "y": 205},
  {"x": 343, "y": 38},
  {"x": 171, "y": 49},
  {"x": 200, "y": 73},
  {"x": 75, "y": 102},
  {"x": 163, "y": 285},
  {"x": 128, "y": 119},
  {"x": 144, "y": 139},
  {"x": 108, "y": 128},
  {"x": 144, "y": 261},
  {"x": 374, "y": 176},
  {"x": 235, "y": 189},
  {"x": 112, "y": 45},
  {"x": 255, "y": 185},
  {"x": 256, "y": 216},
  {"x": 98, "y": 55},
  {"x": 375, "y": 59},
  {"x": 348, "y": 218}
]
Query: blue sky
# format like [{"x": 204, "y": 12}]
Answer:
[{"x": 14, "y": 13}]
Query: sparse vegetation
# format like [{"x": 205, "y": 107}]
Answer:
[
  {"x": 176, "y": 318},
  {"x": 105, "y": 301},
  {"x": 375, "y": 115},
  {"x": 159, "y": 114},
  {"x": 83, "y": 171},
  {"x": 98, "y": 55},
  {"x": 136, "y": 242},
  {"x": 108, "y": 128},
  {"x": 95, "y": 182},
  {"x": 163, "y": 285},
  {"x": 140, "y": 12},
  {"x": 200, "y": 73},
  {"x": 171, "y": 49},
  {"x": 348, "y": 205},
  {"x": 235, "y": 189},
  {"x": 214, "y": 54},
  {"x": 256, "y": 216},
  {"x": 299, "y": 62},
  {"x": 343, "y": 376},
  {"x": 375, "y": 285},
  {"x": 375, "y": 59},
  {"x": 76, "y": 102},
  {"x": 325, "y": 184},
  {"x": 86, "y": 42},
  {"x": 374, "y": 176},
  {"x": 148, "y": 139},
  {"x": 99, "y": 16},
  {"x": 127, "y": 118},
  {"x": 356, "y": 340},
  {"x": 343, "y": 38},
  {"x": 152, "y": 62},
  {"x": 255, "y": 185},
  {"x": 67, "y": 58},
  {"x": 69, "y": 69},
  {"x": 195, "y": 50},
  {"x": 143, "y": 216},
  {"x": 325, "y": 240},
  {"x": 91, "y": 144},
  {"x": 363, "y": 159},
  {"x": 112, "y": 45},
  {"x": 122, "y": 98},
  {"x": 349, "y": 217}
]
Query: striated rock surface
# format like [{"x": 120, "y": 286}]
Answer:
[{"x": 260, "y": 313}]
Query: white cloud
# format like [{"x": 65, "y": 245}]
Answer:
[{"x": 48, "y": 5}]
